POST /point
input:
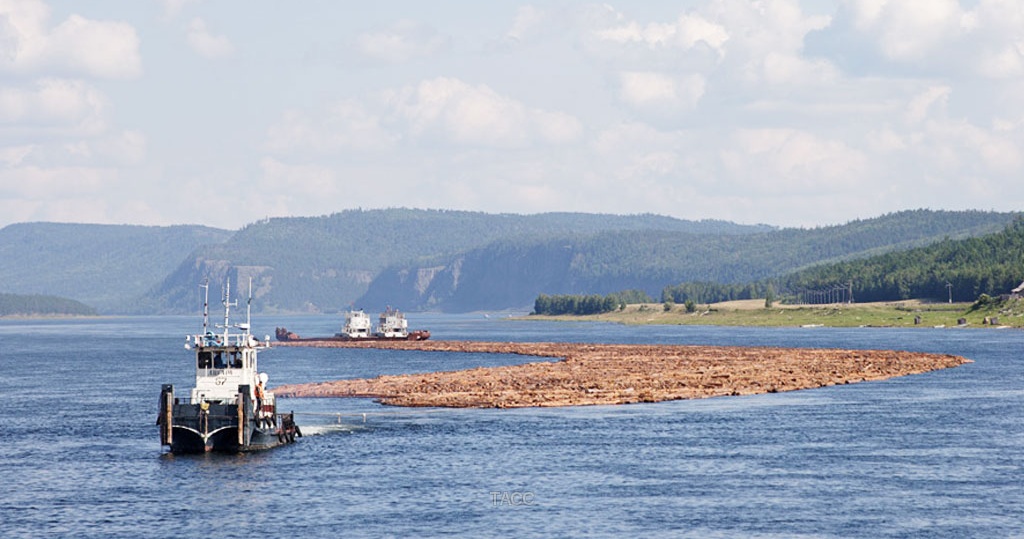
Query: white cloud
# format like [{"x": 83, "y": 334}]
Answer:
[
  {"x": 998, "y": 27},
  {"x": 123, "y": 149},
  {"x": 173, "y": 7},
  {"x": 55, "y": 106},
  {"x": 787, "y": 161},
  {"x": 402, "y": 42},
  {"x": 42, "y": 183},
  {"x": 725, "y": 47},
  {"x": 205, "y": 43},
  {"x": 939, "y": 37},
  {"x": 661, "y": 91},
  {"x": 685, "y": 33},
  {"x": 478, "y": 116},
  {"x": 78, "y": 45},
  {"x": 126, "y": 148},
  {"x": 791, "y": 69},
  {"x": 529, "y": 20},
  {"x": 14, "y": 156},
  {"x": 780, "y": 111},
  {"x": 345, "y": 125},
  {"x": 303, "y": 181},
  {"x": 926, "y": 103},
  {"x": 909, "y": 30}
]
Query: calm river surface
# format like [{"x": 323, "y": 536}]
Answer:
[{"x": 933, "y": 455}]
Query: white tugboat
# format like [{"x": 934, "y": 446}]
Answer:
[{"x": 228, "y": 410}]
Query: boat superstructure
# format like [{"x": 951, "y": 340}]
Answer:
[
  {"x": 392, "y": 325},
  {"x": 357, "y": 325},
  {"x": 228, "y": 409}
]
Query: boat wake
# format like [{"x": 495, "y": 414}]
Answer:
[{"x": 322, "y": 430}]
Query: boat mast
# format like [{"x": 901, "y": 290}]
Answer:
[
  {"x": 227, "y": 308},
  {"x": 248, "y": 310},
  {"x": 206, "y": 304}
]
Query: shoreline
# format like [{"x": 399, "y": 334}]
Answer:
[
  {"x": 753, "y": 313},
  {"x": 592, "y": 374}
]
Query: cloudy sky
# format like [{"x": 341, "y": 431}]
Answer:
[{"x": 785, "y": 112}]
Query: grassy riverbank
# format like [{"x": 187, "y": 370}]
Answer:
[{"x": 909, "y": 313}]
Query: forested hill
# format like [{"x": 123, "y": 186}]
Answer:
[
  {"x": 433, "y": 259},
  {"x": 991, "y": 264},
  {"x": 512, "y": 273},
  {"x": 105, "y": 266},
  {"x": 36, "y": 305},
  {"x": 325, "y": 263}
]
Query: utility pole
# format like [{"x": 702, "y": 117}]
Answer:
[{"x": 950, "y": 287}]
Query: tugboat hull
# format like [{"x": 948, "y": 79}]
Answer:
[{"x": 222, "y": 428}]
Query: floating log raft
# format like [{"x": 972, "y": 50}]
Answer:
[{"x": 589, "y": 374}]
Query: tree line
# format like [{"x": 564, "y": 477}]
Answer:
[
  {"x": 29, "y": 305},
  {"x": 581, "y": 304},
  {"x": 711, "y": 292},
  {"x": 956, "y": 270}
]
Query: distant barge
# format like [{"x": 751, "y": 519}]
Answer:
[{"x": 391, "y": 326}]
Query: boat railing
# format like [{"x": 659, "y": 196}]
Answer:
[{"x": 240, "y": 340}]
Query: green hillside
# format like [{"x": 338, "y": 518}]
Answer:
[
  {"x": 512, "y": 273},
  {"x": 106, "y": 266},
  {"x": 37, "y": 305},
  {"x": 326, "y": 263},
  {"x": 991, "y": 264}
]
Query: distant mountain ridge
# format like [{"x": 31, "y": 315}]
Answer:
[
  {"x": 313, "y": 264},
  {"x": 433, "y": 259},
  {"x": 104, "y": 266},
  {"x": 512, "y": 274}
]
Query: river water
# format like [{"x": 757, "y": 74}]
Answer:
[{"x": 933, "y": 455}]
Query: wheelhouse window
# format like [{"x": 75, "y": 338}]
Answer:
[{"x": 219, "y": 359}]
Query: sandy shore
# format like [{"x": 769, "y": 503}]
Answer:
[{"x": 616, "y": 374}]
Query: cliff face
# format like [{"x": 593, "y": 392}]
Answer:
[{"x": 491, "y": 278}]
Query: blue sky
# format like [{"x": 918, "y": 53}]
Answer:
[{"x": 778, "y": 111}]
